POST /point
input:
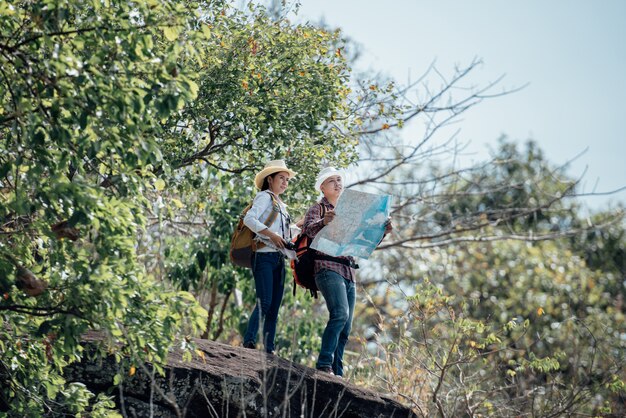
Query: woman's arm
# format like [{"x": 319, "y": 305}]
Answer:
[
  {"x": 276, "y": 239},
  {"x": 261, "y": 203}
]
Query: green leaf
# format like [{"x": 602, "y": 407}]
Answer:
[
  {"x": 171, "y": 33},
  {"x": 159, "y": 184}
]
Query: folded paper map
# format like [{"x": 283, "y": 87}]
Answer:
[{"x": 358, "y": 227}]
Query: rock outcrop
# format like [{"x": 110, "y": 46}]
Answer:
[{"x": 233, "y": 382}]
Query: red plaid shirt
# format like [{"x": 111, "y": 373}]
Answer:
[{"x": 313, "y": 223}]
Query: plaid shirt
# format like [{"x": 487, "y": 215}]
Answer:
[{"x": 313, "y": 223}]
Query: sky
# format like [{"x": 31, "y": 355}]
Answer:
[{"x": 570, "y": 55}]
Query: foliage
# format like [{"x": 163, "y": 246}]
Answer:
[
  {"x": 84, "y": 86},
  {"x": 267, "y": 89},
  {"x": 529, "y": 328},
  {"x": 502, "y": 194},
  {"x": 503, "y": 327}
]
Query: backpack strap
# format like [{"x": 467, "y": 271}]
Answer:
[
  {"x": 313, "y": 253},
  {"x": 269, "y": 221},
  {"x": 274, "y": 213},
  {"x": 322, "y": 213}
]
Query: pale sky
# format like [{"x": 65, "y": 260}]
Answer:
[{"x": 572, "y": 54}]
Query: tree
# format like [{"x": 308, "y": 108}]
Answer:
[
  {"x": 504, "y": 326},
  {"x": 84, "y": 86}
]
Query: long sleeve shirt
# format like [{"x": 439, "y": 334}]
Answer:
[
  {"x": 313, "y": 223},
  {"x": 260, "y": 211}
]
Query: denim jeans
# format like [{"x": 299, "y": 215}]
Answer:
[
  {"x": 269, "y": 279},
  {"x": 340, "y": 295}
]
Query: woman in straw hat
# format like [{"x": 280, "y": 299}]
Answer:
[
  {"x": 268, "y": 264},
  {"x": 334, "y": 276}
]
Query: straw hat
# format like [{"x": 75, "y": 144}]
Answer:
[
  {"x": 274, "y": 166},
  {"x": 326, "y": 173}
]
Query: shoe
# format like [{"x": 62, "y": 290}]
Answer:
[
  {"x": 249, "y": 344},
  {"x": 326, "y": 369}
]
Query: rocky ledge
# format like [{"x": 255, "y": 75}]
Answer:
[{"x": 228, "y": 381}]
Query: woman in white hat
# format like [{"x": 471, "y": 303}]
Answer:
[
  {"x": 334, "y": 276},
  {"x": 268, "y": 264}
]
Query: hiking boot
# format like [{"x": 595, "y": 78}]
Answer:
[
  {"x": 249, "y": 344},
  {"x": 326, "y": 369}
]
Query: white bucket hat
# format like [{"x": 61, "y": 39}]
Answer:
[
  {"x": 326, "y": 173},
  {"x": 274, "y": 166}
]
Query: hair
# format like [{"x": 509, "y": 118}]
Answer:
[{"x": 266, "y": 183}]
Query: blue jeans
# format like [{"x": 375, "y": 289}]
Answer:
[
  {"x": 340, "y": 295},
  {"x": 269, "y": 279}
]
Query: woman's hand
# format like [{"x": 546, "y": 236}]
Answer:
[
  {"x": 329, "y": 216},
  {"x": 277, "y": 240}
]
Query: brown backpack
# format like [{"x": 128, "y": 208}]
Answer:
[
  {"x": 303, "y": 266},
  {"x": 242, "y": 244}
]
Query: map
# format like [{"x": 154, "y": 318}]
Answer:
[{"x": 358, "y": 227}]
